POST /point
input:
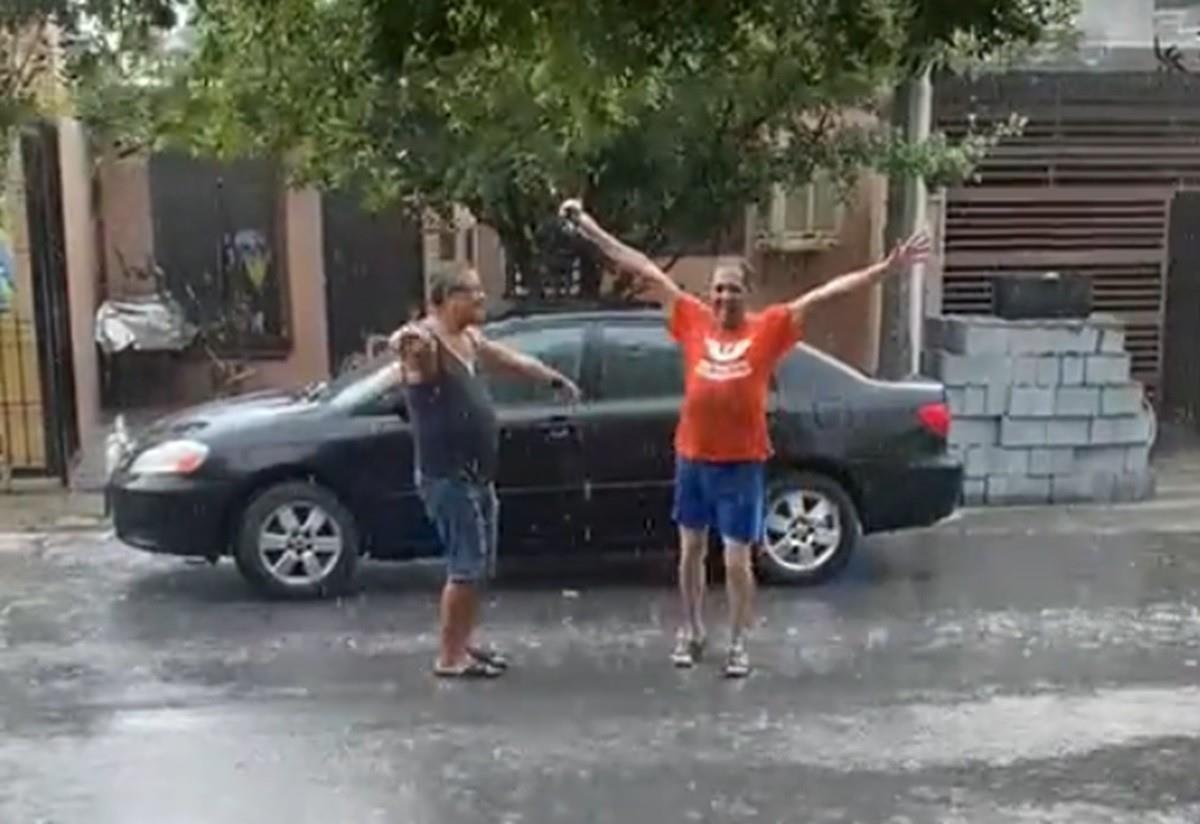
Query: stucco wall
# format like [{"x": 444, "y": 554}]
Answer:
[{"x": 82, "y": 270}]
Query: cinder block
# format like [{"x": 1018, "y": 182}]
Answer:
[
  {"x": 972, "y": 336},
  {"x": 1048, "y": 372},
  {"x": 1031, "y": 340},
  {"x": 974, "y": 492},
  {"x": 1082, "y": 339},
  {"x": 1016, "y": 489},
  {"x": 1072, "y": 370},
  {"x": 1031, "y": 370},
  {"x": 956, "y": 399},
  {"x": 1068, "y": 432},
  {"x": 1007, "y": 461},
  {"x": 1101, "y": 460},
  {"x": 976, "y": 464},
  {"x": 997, "y": 400},
  {"x": 1077, "y": 401},
  {"x": 1121, "y": 400},
  {"x": 1112, "y": 341},
  {"x": 1129, "y": 430},
  {"x": 1134, "y": 486},
  {"x": 976, "y": 401},
  {"x": 1016, "y": 432},
  {"x": 1051, "y": 461},
  {"x": 1025, "y": 371},
  {"x": 1137, "y": 458},
  {"x": 1070, "y": 489},
  {"x": 1031, "y": 402},
  {"x": 1106, "y": 370},
  {"x": 975, "y": 431},
  {"x": 973, "y": 370}
]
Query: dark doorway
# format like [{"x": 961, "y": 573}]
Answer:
[
  {"x": 1181, "y": 352},
  {"x": 51, "y": 311},
  {"x": 374, "y": 274}
]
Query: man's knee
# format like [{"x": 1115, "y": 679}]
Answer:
[
  {"x": 739, "y": 556},
  {"x": 693, "y": 543}
]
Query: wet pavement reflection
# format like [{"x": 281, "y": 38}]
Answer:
[{"x": 987, "y": 671}]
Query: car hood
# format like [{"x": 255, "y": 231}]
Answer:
[{"x": 256, "y": 410}]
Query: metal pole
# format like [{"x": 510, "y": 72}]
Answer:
[{"x": 903, "y": 297}]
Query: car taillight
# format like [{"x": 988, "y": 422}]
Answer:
[{"x": 935, "y": 417}]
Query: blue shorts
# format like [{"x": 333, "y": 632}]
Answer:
[
  {"x": 728, "y": 498},
  {"x": 466, "y": 516}
]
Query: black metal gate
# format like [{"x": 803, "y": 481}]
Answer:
[
  {"x": 1181, "y": 360},
  {"x": 40, "y": 430},
  {"x": 374, "y": 274}
]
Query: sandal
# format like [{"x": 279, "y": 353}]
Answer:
[
  {"x": 472, "y": 670},
  {"x": 490, "y": 656},
  {"x": 688, "y": 651}
]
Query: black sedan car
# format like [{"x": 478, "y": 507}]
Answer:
[{"x": 299, "y": 486}]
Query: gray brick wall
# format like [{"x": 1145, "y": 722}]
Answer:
[{"x": 1044, "y": 411}]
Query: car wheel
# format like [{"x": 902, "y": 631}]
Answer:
[
  {"x": 811, "y": 529},
  {"x": 296, "y": 540}
]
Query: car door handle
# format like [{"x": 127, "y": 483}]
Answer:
[{"x": 557, "y": 429}]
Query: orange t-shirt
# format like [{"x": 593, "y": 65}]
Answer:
[{"x": 727, "y": 380}]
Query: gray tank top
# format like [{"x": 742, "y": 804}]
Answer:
[{"x": 455, "y": 431}]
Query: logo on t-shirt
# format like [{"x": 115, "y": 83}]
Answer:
[{"x": 724, "y": 361}]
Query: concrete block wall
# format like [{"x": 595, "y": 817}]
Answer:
[{"x": 1044, "y": 411}]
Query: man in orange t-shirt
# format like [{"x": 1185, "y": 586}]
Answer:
[{"x": 722, "y": 444}]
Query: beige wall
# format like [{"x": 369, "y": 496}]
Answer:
[
  {"x": 309, "y": 356},
  {"x": 79, "y": 240},
  {"x": 128, "y": 230}
]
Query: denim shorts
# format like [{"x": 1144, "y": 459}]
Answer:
[
  {"x": 466, "y": 516},
  {"x": 728, "y": 498}
]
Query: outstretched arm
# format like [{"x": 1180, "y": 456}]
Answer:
[
  {"x": 909, "y": 253},
  {"x": 500, "y": 357},
  {"x": 621, "y": 255}
]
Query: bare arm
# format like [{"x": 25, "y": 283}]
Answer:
[
  {"x": 621, "y": 255},
  {"x": 503, "y": 358},
  {"x": 902, "y": 258},
  {"x": 416, "y": 349}
]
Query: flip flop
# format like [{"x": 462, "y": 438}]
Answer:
[
  {"x": 490, "y": 656},
  {"x": 472, "y": 670}
]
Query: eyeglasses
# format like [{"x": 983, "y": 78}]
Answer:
[
  {"x": 728, "y": 289},
  {"x": 463, "y": 289}
]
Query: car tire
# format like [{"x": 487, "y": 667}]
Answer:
[
  {"x": 297, "y": 540},
  {"x": 812, "y": 529}
]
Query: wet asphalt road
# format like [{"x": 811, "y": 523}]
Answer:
[{"x": 1005, "y": 668}]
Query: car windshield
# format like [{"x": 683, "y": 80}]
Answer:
[{"x": 362, "y": 384}]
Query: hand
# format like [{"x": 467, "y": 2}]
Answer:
[
  {"x": 571, "y": 210},
  {"x": 909, "y": 253},
  {"x": 409, "y": 337},
  {"x": 568, "y": 390}
]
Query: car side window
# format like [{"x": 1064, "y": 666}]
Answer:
[
  {"x": 639, "y": 361},
  {"x": 560, "y": 347}
]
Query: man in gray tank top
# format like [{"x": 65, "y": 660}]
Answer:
[{"x": 456, "y": 438}]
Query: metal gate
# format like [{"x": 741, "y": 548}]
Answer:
[
  {"x": 374, "y": 274},
  {"x": 1084, "y": 189},
  {"x": 37, "y": 385},
  {"x": 1181, "y": 361}
]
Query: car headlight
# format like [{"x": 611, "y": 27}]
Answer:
[{"x": 170, "y": 458}]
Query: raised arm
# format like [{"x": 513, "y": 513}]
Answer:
[
  {"x": 416, "y": 349},
  {"x": 622, "y": 256},
  {"x": 503, "y": 358},
  {"x": 909, "y": 253}
]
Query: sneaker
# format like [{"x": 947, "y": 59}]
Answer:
[
  {"x": 737, "y": 663},
  {"x": 688, "y": 651}
]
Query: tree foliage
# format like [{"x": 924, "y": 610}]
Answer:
[{"x": 669, "y": 117}]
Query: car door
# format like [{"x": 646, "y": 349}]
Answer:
[
  {"x": 369, "y": 458},
  {"x": 541, "y": 476},
  {"x": 629, "y": 428}
]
